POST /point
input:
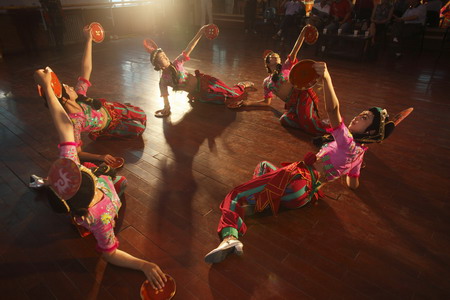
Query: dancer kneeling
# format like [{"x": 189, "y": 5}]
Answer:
[
  {"x": 200, "y": 87},
  {"x": 101, "y": 118},
  {"x": 94, "y": 202},
  {"x": 296, "y": 184}
]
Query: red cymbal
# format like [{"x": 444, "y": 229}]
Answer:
[
  {"x": 311, "y": 34},
  {"x": 211, "y": 32},
  {"x": 97, "y": 32},
  {"x": 55, "y": 84},
  {"x": 302, "y": 75},
  {"x": 166, "y": 293},
  {"x": 118, "y": 163}
]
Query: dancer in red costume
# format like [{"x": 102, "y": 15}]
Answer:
[
  {"x": 200, "y": 87},
  {"x": 93, "y": 202},
  {"x": 296, "y": 184},
  {"x": 300, "y": 106}
]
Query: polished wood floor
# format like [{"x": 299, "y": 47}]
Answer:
[{"x": 387, "y": 240}]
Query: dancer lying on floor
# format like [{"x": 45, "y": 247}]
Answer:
[
  {"x": 296, "y": 184},
  {"x": 200, "y": 87},
  {"x": 101, "y": 118},
  {"x": 300, "y": 105},
  {"x": 96, "y": 203}
]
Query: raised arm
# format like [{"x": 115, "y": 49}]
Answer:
[
  {"x": 298, "y": 43},
  {"x": 62, "y": 122},
  {"x": 194, "y": 41},
  {"x": 331, "y": 100},
  {"x": 86, "y": 62}
]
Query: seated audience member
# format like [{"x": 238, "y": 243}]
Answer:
[
  {"x": 293, "y": 10},
  {"x": 341, "y": 14},
  {"x": 410, "y": 24},
  {"x": 320, "y": 14},
  {"x": 362, "y": 11}
]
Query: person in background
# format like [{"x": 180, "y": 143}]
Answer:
[
  {"x": 320, "y": 14},
  {"x": 341, "y": 14},
  {"x": 409, "y": 24},
  {"x": 250, "y": 15},
  {"x": 293, "y": 9},
  {"x": 54, "y": 18},
  {"x": 381, "y": 16}
]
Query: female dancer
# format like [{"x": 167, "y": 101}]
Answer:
[
  {"x": 296, "y": 184},
  {"x": 301, "y": 106},
  {"x": 96, "y": 203},
  {"x": 201, "y": 87},
  {"x": 102, "y": 119}
]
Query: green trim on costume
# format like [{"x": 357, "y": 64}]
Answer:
[
  {"x": 227, "y": 231},
  {"x": 245, "y": 194}
]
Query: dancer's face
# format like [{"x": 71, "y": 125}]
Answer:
[
  {"x": 361, "y": 122},
  {"x": 71, "y": 92},
  {"x": 162, "y": 60},
  {"x": 273, "y": 60}
]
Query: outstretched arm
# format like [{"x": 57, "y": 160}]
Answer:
[
  {"x": 86, "y": 62},
  {"x": 195, "y": 40},
  {"x": 262, "y": 102},
  {"x": 331, "y": 100},
  {"x": 62, "y": 122},
  {"x": 122, "y": 259},
  {"x": 298, "y": 43},
  {"x": 87, "y": 156}
]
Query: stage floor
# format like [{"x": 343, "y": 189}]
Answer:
[{"x": 387, "y": 240}]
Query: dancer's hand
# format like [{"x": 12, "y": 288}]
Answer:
[
  {"x": 109, "y": 159},
  {"x": 163, "y": 112},
  {"x": 155, "y": 276},
  {"x": 303, "y": 33},
  {"x": 321, "y": 69},
  {"x": 43, "y": 76},
  {"x": 87, "y": 33},
  {"x": 203, "y": 28}
]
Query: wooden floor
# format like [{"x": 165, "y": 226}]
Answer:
[{"x": 387, "y": 240}]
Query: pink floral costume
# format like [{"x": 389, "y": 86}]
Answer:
[
  {"x": 293, "y": 185},
  {"x": 124, "y": 120},
  {"x": 100, "y": 219},
  {"x": 301, "y": 106},
  {"x": 209, "y": 89}
]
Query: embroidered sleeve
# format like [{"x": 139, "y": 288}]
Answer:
[
  {"x": 82, "y": 86},
  {"x": 342, "y": 136},
  {"x": 103, "y": 232},
  {"x": 180, "y": 60},
  {"x": 70, "y": 152},
  {"x": 289, "y": 63}
]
